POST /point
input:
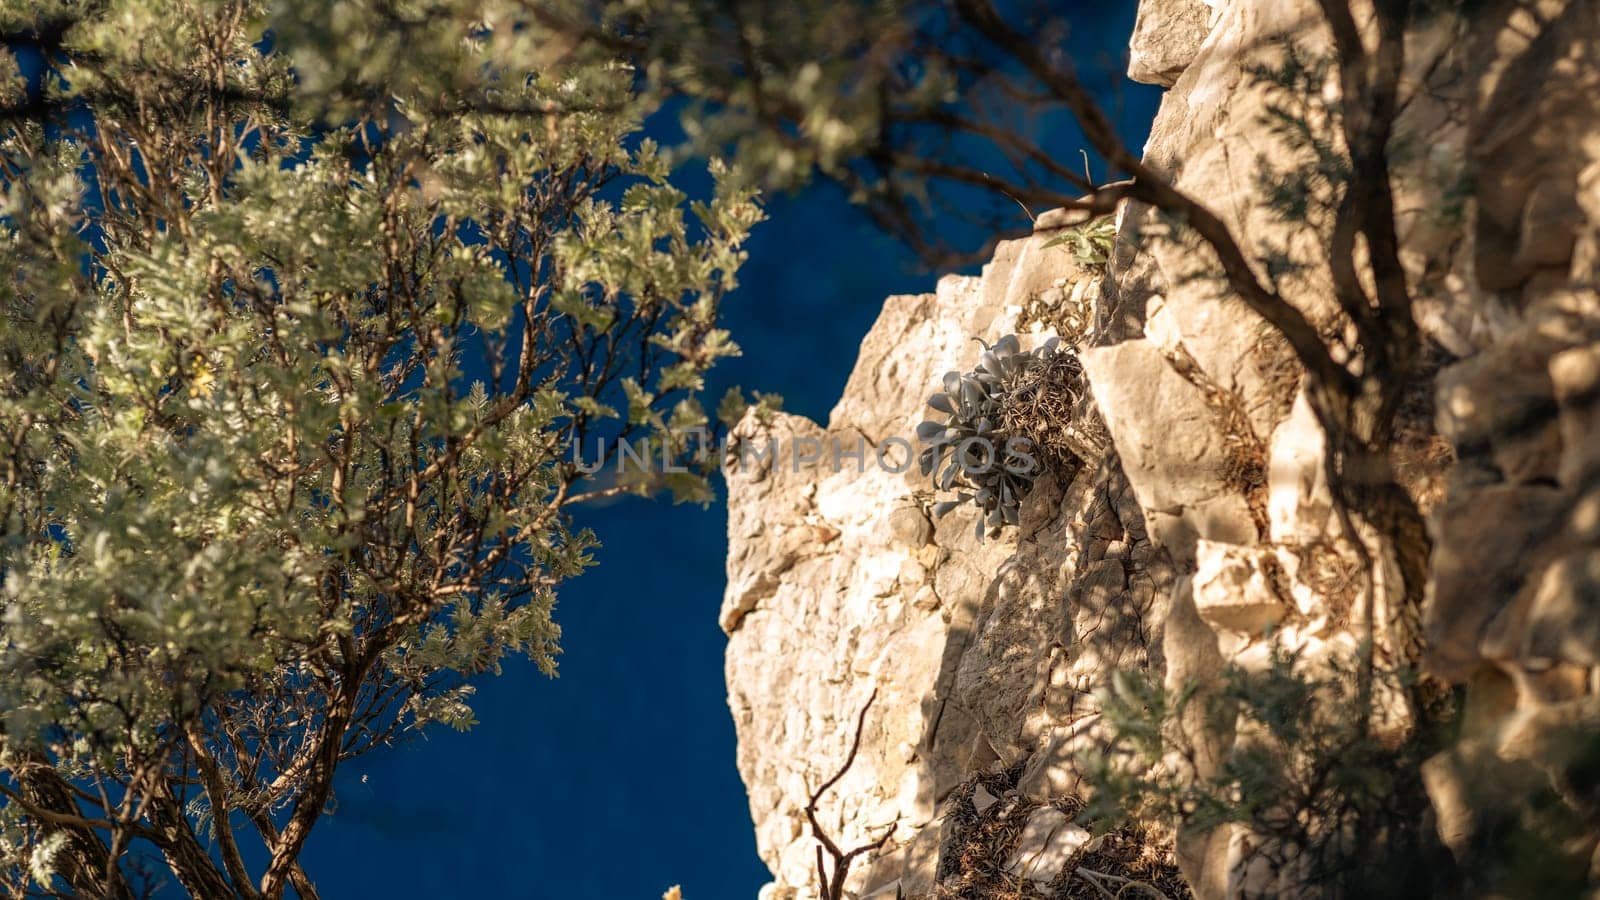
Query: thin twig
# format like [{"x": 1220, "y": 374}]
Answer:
[{"x": 832, "y": 887}]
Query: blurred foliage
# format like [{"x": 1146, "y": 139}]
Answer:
[{"x": 1329, "y": 801}]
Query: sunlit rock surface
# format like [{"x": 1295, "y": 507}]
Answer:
[{"x": 1201, "y": 517}]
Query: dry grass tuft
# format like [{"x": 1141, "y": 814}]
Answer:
[
  {"x": 972, "y": 863},
  {"x": 1041, "y": 410},
  {"x": 1127, "y": 863}
]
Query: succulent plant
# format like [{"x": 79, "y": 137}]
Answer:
[
  {"x": 969, "y": 448},
  {"x": 1090, "y": 243}
]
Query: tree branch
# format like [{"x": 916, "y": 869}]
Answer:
[
  {"x": 832, "y": 886},
  {"x": 1153, "y": 188}
]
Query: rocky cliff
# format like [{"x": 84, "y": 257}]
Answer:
[{"x": 1196, "y": 528}]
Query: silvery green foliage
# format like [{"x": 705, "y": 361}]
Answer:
[
  {"x": 968, "y": 448},
  {"x": 294, "y": 339}
]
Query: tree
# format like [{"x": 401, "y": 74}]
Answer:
[{"x": 301, "y": 320}]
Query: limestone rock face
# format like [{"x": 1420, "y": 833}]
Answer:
[
  {"x": 1200, "y": 525},
  {"x": 981, "y": 653},
  {"x": 1166, "y": 38}
]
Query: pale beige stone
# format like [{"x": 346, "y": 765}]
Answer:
[
  {"x": 1167, "y": 35},
  {"x": 1160, "y": 553},
  {"x": 1048, "y": 842},
  {"x": 1238, "y": 588}
]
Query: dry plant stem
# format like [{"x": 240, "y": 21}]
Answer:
[
  {"x": 832, "y": 886},
  {"x": 1094, "y": 880}
]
